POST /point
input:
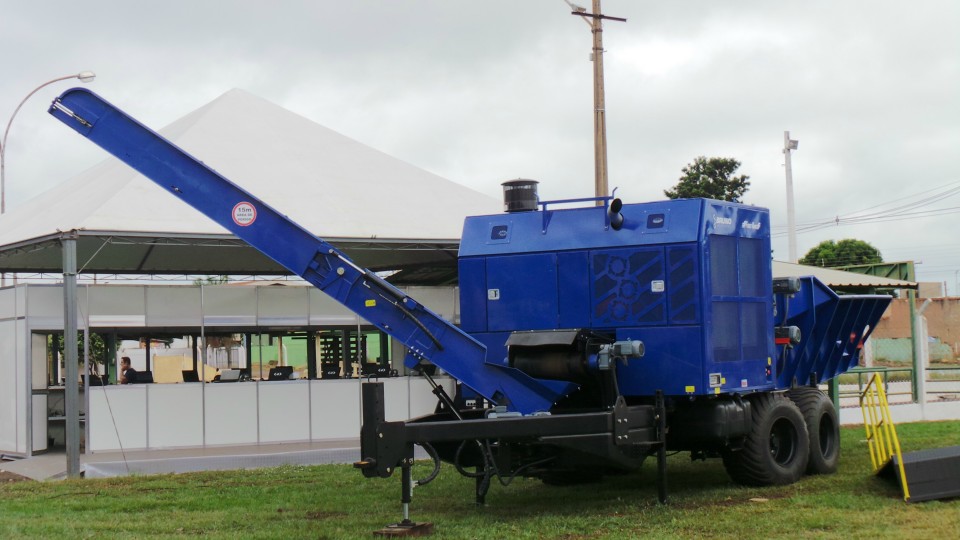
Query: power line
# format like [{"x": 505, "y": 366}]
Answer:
[{"x": 904, "y": 211}]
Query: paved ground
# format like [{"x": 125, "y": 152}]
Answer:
[{"x": 53, "y": 465}]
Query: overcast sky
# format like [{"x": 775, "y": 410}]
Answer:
[{"x": 480, "y": 92}]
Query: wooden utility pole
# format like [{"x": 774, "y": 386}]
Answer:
[{"x": 595, "y": 20}]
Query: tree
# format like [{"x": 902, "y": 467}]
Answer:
[
  {"x": 97, "y": 348},
  {"x": 846, "y": 252},
  {"x": 712, "y": 178}
]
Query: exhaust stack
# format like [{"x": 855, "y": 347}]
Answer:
[{"x": 520, "y": 195}]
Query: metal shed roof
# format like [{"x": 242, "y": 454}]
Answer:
[{"x": 839, "y": 279}]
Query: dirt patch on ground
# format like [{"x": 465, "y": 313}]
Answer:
[
  {"x": 731, "y": 501},
  {"x": 323, "y": 515},
  {"x": 9, "y": 477}
]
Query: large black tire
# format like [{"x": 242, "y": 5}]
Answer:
[
  {"x": 820, "y": 417},
  {"x": 776, "y": 450}
]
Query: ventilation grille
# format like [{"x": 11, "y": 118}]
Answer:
[
  {"x": 682, "y": 289},
  {"x": 622, "y": 287}
]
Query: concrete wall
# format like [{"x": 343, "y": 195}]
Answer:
[
  {"x": 931, "y": 289},
  {"x": 892, "y": 334}
]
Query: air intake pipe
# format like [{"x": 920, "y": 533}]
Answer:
[{"x": 520, "y": 195}]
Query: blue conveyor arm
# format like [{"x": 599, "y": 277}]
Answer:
[{"x": 426, "y": 335}]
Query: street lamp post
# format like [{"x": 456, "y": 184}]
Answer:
[
  {"x": 788, "y": 145},
  {"x": 84, "y": 76}
]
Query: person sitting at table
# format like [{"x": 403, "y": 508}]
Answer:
[{"x": 128, "y": 375}]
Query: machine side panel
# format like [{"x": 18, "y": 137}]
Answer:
[
  {"x": 522, "y": 292},
  {"x": 473, "y": 294},
  {"x": 673, "y": 362},
  {"x": 573, "y": 282},
  {"x": 496, "y": 343}
]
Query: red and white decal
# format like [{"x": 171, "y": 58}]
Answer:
[{"x": 244, "y": 214}]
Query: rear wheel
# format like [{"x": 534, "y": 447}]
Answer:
[
  {"x": 776, "y": 450},
  {"x": 820, "y": 417}
]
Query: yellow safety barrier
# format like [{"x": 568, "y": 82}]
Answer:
[{"x": 881, "y": 432}]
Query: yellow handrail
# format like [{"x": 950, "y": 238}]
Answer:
[{"x": 881, "y": 432}]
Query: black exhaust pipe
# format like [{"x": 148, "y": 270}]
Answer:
[{"x": 614, "y": 215}]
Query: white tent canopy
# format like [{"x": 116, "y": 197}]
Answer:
[{"x": 383, "y": 211}]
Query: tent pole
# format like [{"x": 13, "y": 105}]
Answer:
[{"x": 71, "y": 384}]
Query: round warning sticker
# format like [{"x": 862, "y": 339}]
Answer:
[{"x": 244, "y": 214}]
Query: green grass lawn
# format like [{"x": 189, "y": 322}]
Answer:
[{"x": 335, "y": 501}]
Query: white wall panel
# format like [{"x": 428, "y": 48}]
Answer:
[
  {"x": 8, "y": 303},
  {"x": 336, "y": 409},
  {"x": 114, "y": 305},
  {"x": 45, "y": 307},
  {"x": 396, "y": 398},
  {"x": 283, "y": 306},
  {"x": 175, "y": 415},
  {"x": 422, "y": 400},
  {"x": 13, "y": 302},
  {"x": 22, "y": 301},
  {"x": 23, "y": 382},
  {"x": 327, "y": 311},
  {"x": 12, "y": 429},
  {"x": 125, "y": 406},
  {"x": 173, "y": 306},
  {"x": 231, "y": 410},
  {"x": 284, "y": 411},
  {"x": 440, "y": 300},
  {"x": 225, "y": 305},
  {"x": 39, "y": 423}
]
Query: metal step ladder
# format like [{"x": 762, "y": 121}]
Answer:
[{"x": 924, "y": 475}]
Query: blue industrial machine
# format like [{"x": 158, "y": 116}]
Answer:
[
  {"x": 690, "y": 279},
  {"x": 592, "y": 336}
]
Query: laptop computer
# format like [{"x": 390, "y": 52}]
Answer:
[
  {"x": 329, "y": 370},
  {"x": 280, "y": 373},
  {"x": 230, "y": 375},
  {"x": 96, "y": 380}
]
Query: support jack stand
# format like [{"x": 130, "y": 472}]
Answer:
[
  {"x": 406, "y": 527},
  {"x": 662, "y": 448}
]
